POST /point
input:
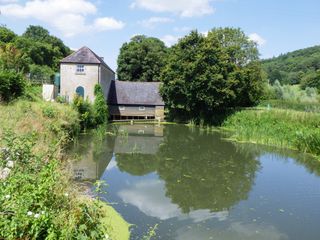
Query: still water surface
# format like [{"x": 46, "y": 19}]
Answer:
[{"x": 197, "y": 185}]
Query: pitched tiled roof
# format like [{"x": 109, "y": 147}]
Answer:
[
  {"x": 135, "y": 93},
  {"x": 86, "y": 56}
]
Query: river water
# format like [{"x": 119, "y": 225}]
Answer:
[{"x": 193, "y": 184}]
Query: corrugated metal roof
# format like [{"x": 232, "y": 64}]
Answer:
[
  {"x": 135, "y": 93},
  {"x": 85, "y": 56}
]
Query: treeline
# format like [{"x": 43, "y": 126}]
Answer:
[
  {"x": 200, "y": 74},
  {"x": 298, "y": 67},
  {"x": 34, "y": 55},
  {"x": 35, "y": 52}
]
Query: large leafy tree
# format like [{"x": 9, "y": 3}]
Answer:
[
  {"x": 41, "y": 47},
  {"x": 206, "y": 74},
  {"x": 142, "y": 59},
  {"x": 6, "y": 35}
]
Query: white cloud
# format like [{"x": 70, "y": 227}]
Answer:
[
  {"x": 107, "y": 23},
  {"x": 69, "y": 17},
  {"x": 154, "y": 21},
  {"x": 257, "y": 39},
  {"x": 170, "y": 40},
  {"x": 184, "y": 8}
]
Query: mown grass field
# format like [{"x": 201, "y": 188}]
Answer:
[{"x": 277, "y": 127}]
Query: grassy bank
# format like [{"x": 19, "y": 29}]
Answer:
[
  {"x": 38, "y": 199},
  {"x": 277, "y": 127},
  {"x": 292, "y": 105}
]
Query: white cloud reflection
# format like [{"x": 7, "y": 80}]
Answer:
[{"x": 150, "y": 198}]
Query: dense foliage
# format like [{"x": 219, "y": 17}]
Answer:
[
  {"x": 100, "y": 107},
  {"x": 301, "y": 66},
  {"x": 12, "y": 85},
  {"x": 91, "y": 115},
  {"x": 35, "y": 52},
  {"x": 206, "y": 74},
  {"x": 142, "y": 59}
]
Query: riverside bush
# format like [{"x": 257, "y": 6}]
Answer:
[
  {"x": 85, "y": 110},
  {"x": 94, "y": 114},
  {"x": 100, "y": 106}
]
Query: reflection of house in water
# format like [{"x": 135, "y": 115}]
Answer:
[
  {"x": 142, "y": 139},
  {"x": 94, "y": 154}
]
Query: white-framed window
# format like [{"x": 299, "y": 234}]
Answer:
[
  {"x": 122, "y": 108},
  {"x": 80, "y": 68},
  {"x": 142, "y": 108}
]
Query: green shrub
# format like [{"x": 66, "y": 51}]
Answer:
[
  {"x": 32, "y": 92},
  {"x": 49, "y": 111},
  {"x": 12, "y": 85},
  {"x": 292, "y": 93},
  {"x": 41, "y": 74},
  {"x": 85, "y": 110},
  {"x": 60, "y": 99},
  {"x": 94, "y": 114},
  {"x": 100, "y": 106}
]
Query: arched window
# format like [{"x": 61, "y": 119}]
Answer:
[{"x": 80, "y": 91}]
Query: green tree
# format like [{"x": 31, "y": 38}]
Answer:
[
  {"x": 41, "y": 74},
  {"x": 36, "y": 33},
  {"x": 311, "y": 80},
  {"x": 11, "y": 58},
  {"x": 208, "y": 74},
  {"x": 6, "y": 35},
  {"x": 100, "y": 107},
  {"x": 41, "y": 47},
  {"x": 142, "y": 59}
]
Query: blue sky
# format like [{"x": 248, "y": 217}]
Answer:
[{"x": 104, "y": 25}]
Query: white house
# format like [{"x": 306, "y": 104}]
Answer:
[{"x": 81, "y": 71}]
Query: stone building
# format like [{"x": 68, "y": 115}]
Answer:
[
  {"x": 135, "y": 100},
  {"x": 83, "y": 69}
]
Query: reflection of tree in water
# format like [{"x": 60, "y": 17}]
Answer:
[
  {"x": 200, "y": 170},
  {"x": 207, "y": 173},
  {"x": 136, "y": 164}
]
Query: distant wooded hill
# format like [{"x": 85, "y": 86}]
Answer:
[{"x": 298, "y": 67}]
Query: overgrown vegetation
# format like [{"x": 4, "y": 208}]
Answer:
[
  {"x": 12, "y": 85},
  {"x": 92, "y": 115},
  {"x": 37, "y": 201},
  {"x": 37, "y": 197},
  {"x": 35, "y": 52},
  {"x": 276, "y": 127}
]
